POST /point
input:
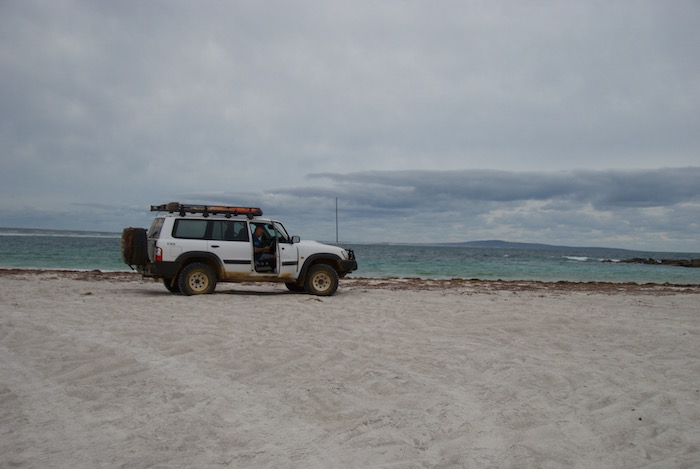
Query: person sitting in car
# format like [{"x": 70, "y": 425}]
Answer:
[{"x": 262, "y": 253}]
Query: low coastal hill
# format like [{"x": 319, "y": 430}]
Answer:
[{"x": 498, "y": 244}]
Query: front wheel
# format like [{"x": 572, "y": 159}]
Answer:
[
  {"x": 322, "y": 280},
  {"x": 197, "y": 279},
  {"x": 295, "y": 287}
]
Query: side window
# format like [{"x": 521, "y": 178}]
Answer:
[
  {"x": 267, "y": 233},
  {"x": 217, "y": 230},
  {"x": 235, "y": 231},
  {"x": 156, "y": 226},
  {"x": 190, "y": 229}
]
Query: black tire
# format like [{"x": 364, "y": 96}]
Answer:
[
  {"x": 196, "y": 279},
  {"x": 173, "y": 287},
  {"x": 321, "y": 280},
  {"x": 295, "y": 288},
  {"x": 140, "y": 247}
]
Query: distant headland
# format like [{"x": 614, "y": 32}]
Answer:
[{"x": 498, "y": 244}]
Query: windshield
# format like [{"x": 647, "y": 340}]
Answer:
[{"x": 282, "y": 232}]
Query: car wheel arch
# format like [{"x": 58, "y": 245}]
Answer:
[
  {"x": 320, "y": 258},
  {"x": 204, "y": 257}
]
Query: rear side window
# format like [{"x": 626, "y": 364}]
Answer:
[
  {"x": 156, "y": 226},
  {"x": 190, "y": 229}
]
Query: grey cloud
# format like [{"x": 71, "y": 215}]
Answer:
[
  {"x": 653, "y": 188},
  {"x": 646, "y": 188},
  {"x": 619, "y": 207}
]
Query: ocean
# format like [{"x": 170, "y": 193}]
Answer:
[{"x": 79, "y": 250}]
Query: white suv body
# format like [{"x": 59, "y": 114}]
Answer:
[{"x": 191, "y": 248}]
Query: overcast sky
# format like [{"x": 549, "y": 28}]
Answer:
[{"x": 561, "y": 122}]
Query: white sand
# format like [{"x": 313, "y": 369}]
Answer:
[{"x": 120, "y": 373}]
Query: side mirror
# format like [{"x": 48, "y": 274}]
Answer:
[{"x": 295, "y": 239}]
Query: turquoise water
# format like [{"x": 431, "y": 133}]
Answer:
[
  {"x": 573, "y": 264},
  {"x": 60, "y": 250},
  {"x": 88, "y": 251}
]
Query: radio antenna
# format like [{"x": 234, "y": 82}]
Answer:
[{"x": 336, "y": 221}]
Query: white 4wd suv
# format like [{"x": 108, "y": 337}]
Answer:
[{"x": 192, "y": 247}]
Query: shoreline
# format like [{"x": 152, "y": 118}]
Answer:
[{"x": 410, "y": 283}]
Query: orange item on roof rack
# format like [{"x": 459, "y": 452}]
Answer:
[{"x": 174, "y": 207}]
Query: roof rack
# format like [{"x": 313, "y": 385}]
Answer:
[{"x": 207, "y": 210}]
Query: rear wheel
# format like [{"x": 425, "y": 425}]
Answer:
[
  {"x": 172, "y": 286},
  {"x": 322, "y": 280},
  {"x": 197, "y": 279}
]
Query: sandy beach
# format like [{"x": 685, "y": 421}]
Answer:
[{"x": 110, "y": 370}]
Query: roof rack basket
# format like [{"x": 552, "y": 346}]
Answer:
[{"x": 206, "y": 210}]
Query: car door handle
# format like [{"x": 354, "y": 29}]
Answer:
[{"x": 215, "y": 245}]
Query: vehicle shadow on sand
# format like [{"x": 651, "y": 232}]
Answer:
[{"x": 217, "y": 292}]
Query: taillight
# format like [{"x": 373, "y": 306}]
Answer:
[{"x": 159, "y": 254}]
